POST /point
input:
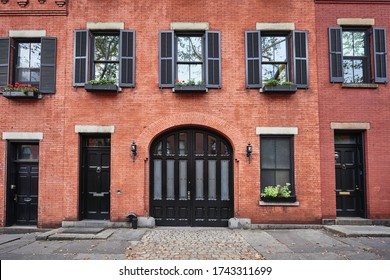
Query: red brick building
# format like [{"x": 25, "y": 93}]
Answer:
[{"x": 195, "y": 118}]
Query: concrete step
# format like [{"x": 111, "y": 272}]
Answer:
[{"x": 348, "y": 221}]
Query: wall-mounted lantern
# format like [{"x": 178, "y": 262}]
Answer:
[
  {"x": 134, "y": 150},
  {"x": 249, "y": 152}
]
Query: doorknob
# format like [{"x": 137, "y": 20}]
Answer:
[
  {"x": 357, "y": 187},
  {"x": 16, "y": 197},
  {"x": 188, "y": 195}
]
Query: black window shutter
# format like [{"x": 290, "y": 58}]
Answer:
[
  {"x": 301, "y": 65},
  {"x": 213, "y": 59},
  {"x": 253, "y": 59},
  {"x": 166, "y": 59},
  {"x": 380, "y": 55},
  {"x": 336, "y": 55},
  {"x": 80, "y": 72},
  {"x": 4, "y": 61},
  {"x": 47, "y": 83},
  {"x": 127, "y": 58}
]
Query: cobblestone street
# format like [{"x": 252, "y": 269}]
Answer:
[{"x": 192, "y": 244}]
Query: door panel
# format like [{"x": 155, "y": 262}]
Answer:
[
  {"x": 95, "y": 183},
  {"x": 191, "y": 179},
  {"x": 26, "y": 193},
  {"x": 349, "y": 176}
]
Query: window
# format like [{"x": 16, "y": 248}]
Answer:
[
  {"x": 350, "y": 55},
  {"x": 277, "y": 161},
  {"x": 29, "y": 61},
  {"x": 104, "y": 56},
  {"x": 187, "y": 56},
  {"x": 281, "y": 56}
]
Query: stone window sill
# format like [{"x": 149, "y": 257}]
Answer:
[
  {"x": 284, "y": 204},
  {"x": 369, "y": 86}
]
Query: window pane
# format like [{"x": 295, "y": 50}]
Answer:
[
  {"x": 23, "y": 75},
  {"x": 187, "y": 72},
  {"x": 170, "y": 179},
  {"x": 157, "y": 179},
  {"x": 106, "y": 71},
  {"x": 23, "y": 55},
  {"x": 267, "y": 178},
  {"x": 347, "y": 43},
  {"x": 267, "y": 153},
  {"x": 183, "y": 180},
  {"x": 354, "y": 43},
  {"x": 212, "y": 145},
  {"x": 282, "y": 177},
  {"x": 183, "y": 144},
  {"x": 199, "y": 179},
  {"x": 212, "y": 179},
  {"x": 189, "y": 49},
  {"x": 35, "y": 55},
  {"x": 358, "y": 41},
  {"x": 170, "y": 146},
  {"x": 35, "y": 75},
  {"x": 98, "y": 142},
  {"x": 274, "y": 71},
  {"x": 107, "y": 48},
  {"x": 28, "y": 152},
  {"x": 353, "y": 71},
  {"x": 199, "y": 148},
  {"x": 224, "y": 180},
  {"x": 283, "y": 153},
  {"x": 274, "y": 48},
  {"x": 158, "y": 149}
]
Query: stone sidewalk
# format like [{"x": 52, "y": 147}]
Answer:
[{"x": 198, "y": 244}]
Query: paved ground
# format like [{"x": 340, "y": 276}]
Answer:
[{"x": 200, "y": 243}]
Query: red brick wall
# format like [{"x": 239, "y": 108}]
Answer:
[
  {"x": 142, "y": 113},
  {"x": 338, "y": 104}
]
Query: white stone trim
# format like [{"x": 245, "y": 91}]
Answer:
[
  {"x": 27, "y": 33},
  {"x": 270, "y": 26},
  {"x": 356, "y": 21},
  {"x": 94, "y": 129},
  {"x": 189, "y": 26},
  {"x": 277, "y": 130},
  {"x": 105, "y": 25},
  {"x": 22, "y": 135},
  {"x": 350, "y": 125}
]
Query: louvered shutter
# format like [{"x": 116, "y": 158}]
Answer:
[
  {"x": 166, "y": 59},
  {"x": 4, "y": 61},
  {"x": 127, "y": 58},
  {"x": 301, "y": 65},
  {"x": 380, "y": 55},
  {"x": 253, "y": 59},
  {"x": 213, "y": 59},
  {"x": 336, "y": 55},
  {"x": 47, "y": 83},
  {"x": 80, "y": 73}
]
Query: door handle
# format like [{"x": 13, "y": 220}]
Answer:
[
  {"x": 357, "y": 188},
  {"x": 188, "y": 195},
  {"x": 16, "y": 198}
]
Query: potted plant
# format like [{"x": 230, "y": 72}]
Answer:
[
  {"x": 190, "y": 86},
  {"x": 20, "y": 91},
  {"x": 277, "y": 86},
  {"x": 277, "y": 193},
  {"x": 101, "y": 85}
]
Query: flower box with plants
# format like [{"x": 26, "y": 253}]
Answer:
[
  {"x": 20, "y": 91},
  {"x": 277, "y": 193},
  {"x": 276, "y": 86},
  {"x": 101, "y": 85},
  {"x": 190, "y": 86}
]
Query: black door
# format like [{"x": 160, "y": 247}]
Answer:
[
  {"x": 95, "y": 178},
  {"x": 191, "y": 179},
  {"x": 22, "y": 184},
  {"x": 349, "y": 161}
]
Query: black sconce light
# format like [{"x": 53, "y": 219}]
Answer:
[
  {"x": 249, "y": 152},
  {"x": 134, "y": 150}
]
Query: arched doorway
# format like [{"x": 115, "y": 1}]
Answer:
[{"x": 191, "y": 178}]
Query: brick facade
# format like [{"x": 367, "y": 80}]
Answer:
[{"x": 144, "y": 112}]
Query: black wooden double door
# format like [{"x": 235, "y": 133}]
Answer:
[
  {"x": 95, "y": 178},
  {"x": 191, "y": 181},
  {"x": 350, "y": 187}
]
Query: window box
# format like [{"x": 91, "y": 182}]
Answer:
[
  {"x": 100, "y": 88},
  {"x": 194, "y": 88},
  {"x": 22, "y": 94},
  {"x": 280, "y": 89},
  {"x": 279, "y": 199}
]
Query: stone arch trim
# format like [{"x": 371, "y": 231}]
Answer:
[{"x": 219, "y": 125}]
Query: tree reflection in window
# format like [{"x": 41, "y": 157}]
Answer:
[
  {"x": 354, "y": 56},
  {"x": 274, "y": 58},
  {"x": 190, "y": 58},
  {"x": 106, "y": 63},
  {"x": 28, "y": 63}
]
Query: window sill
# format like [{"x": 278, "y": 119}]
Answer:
[
  {"x": 102, "y": 88},
  {"x": 22, "y": 95},
  {"x": 284, "y": 204},
  {"x": 195, "y": 88},
  {"x": 279, "y": 89},
  {"x": 370, "y": 86}
]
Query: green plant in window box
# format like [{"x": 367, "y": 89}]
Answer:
[
  {"x": 101, "y": 82},
  {"x": 274, "y": 85},
  {"x": 20, "y": 91},
  {"x": 190, "y": 86},
  {"x": 277, "y": 191}
]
